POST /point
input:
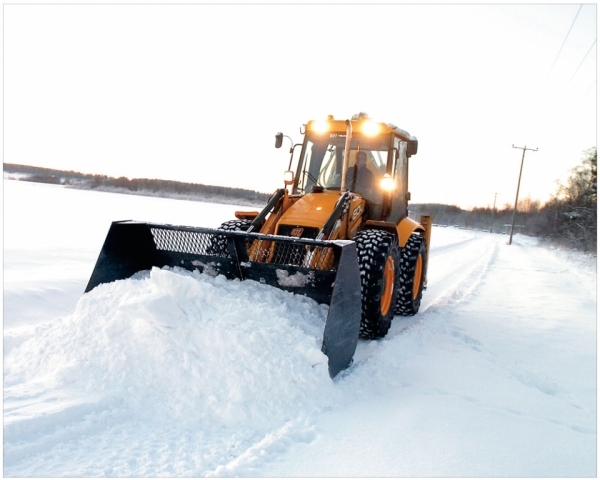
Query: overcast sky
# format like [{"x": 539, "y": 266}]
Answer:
[{"x": 197, "y": 92}]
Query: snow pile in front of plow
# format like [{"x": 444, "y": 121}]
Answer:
[{"x": 174, "y": 346}]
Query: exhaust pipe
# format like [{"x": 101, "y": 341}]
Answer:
[{"x": 343, "y": 186}]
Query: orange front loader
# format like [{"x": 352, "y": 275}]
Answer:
[{"x": 338, "y": 232}]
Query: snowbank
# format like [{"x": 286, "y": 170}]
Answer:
[
  {"x": 171, "y": 347},
  {"x": 206, "y": 352}
]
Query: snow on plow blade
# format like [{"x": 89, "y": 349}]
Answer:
[{"x": 326, "y": 271}]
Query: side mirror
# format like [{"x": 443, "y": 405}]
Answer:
[
  {"x": 278, "y": 140},
  {"x": 288, "y": 177},
  {"x": 413, "y": 146}
]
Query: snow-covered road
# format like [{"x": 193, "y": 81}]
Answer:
[{"x": 179, "y": 374}]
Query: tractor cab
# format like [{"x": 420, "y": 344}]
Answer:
[{"x": 376, "y": 166}]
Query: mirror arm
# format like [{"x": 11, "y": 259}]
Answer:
[{"x": 292, "y": 154}]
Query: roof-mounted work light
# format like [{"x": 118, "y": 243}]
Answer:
[{"x": 370, "y": 128}]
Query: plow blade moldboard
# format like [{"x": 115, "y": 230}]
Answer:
[{"x": 326, "y": 271}]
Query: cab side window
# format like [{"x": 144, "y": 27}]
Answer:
[
  {"x": 399, "y": 200},
  {"x": 401, "y": 166}
]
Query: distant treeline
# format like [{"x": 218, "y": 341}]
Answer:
[
  {"x": 569, "y": 219},
  {"x": 142, "y": 186}
]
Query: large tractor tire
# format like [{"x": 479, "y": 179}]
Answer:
[
  {"x": 412, "y": 276},
  {"x": 378, "y": 260},
  {"x": 218, "y": 246}
]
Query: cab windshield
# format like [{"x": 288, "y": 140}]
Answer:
[{"x": 322, "y": 158}]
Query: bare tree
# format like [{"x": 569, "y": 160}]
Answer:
[{"x": 574, "y": 208}]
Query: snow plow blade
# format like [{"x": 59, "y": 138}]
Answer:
[{"x": 326, "y": 271}]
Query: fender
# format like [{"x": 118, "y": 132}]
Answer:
[
  {"x": 406, "y": 227},
  {"x": 402, "y": 231},
  {"x": 388, "y": 226}
]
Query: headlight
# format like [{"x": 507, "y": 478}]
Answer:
[
  {"x": 320, "y": 126},
  {"x": 387, "y": 183},
  {"x": 370, "y": 128}
]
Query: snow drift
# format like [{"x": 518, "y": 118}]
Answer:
[{"x": 205, "y": 353}]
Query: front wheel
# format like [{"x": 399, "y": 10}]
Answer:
[
  {"x": 378, "y": 261},
  {"x": 218, "y": 245},
  {"x": 412, "y": 276}
]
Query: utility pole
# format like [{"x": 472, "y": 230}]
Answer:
[
  {"x": 512, "y": 227},
  {"x": 493, "y": 211}
]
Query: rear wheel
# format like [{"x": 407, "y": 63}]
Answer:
[
  {"x": 378, "y": 261},
  {"x": 412, "y": 276},
  {"x": 218, "y": 244}
]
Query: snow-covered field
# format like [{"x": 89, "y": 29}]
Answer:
[{"x": 179, "y": 374}]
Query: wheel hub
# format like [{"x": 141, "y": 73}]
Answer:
[{"x": 388, "y": 286}]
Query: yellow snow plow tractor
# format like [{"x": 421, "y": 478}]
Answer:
[{"x": 338, "y": 232}]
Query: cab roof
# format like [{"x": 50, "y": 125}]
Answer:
[{"x": 360, "y": 123}]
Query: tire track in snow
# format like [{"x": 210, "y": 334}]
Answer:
[
  {"x": 472, "y": 259},
  {"x": 433, "y": 250},
  {"x": 271, "y": 446},
  {"x": 528, "y": 263},
  {"x": 444, "y": 285}
]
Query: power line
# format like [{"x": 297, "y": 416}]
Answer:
[
  {"x": 585, "y": 56},
  {"x": 591, "y": 86},
  {"x": 565, "y": 40}
]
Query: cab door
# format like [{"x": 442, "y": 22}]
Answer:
[{"x": 399, "y": 207}]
